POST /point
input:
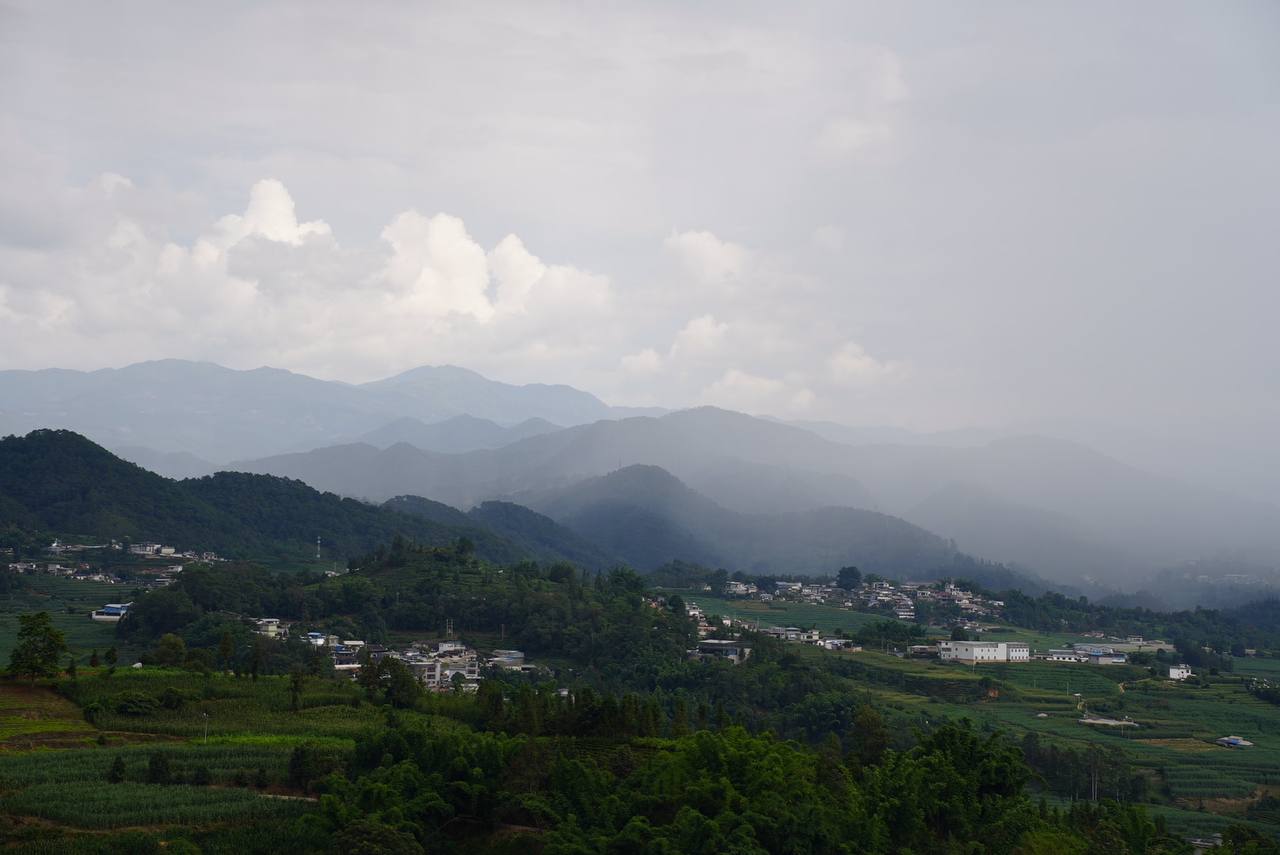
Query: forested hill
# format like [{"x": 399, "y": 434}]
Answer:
[{"x": 60, "y": 482}]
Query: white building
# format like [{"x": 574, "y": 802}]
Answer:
[
  {"x": 1179, "y": 672},
  {"x": 983, "y": 651},
  {"x": 1065, "y": 655}
]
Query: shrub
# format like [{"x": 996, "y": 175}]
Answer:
[
  {"x": 158, "y": 771},
  {"x": 172, "y": 699},
  {"x": 136, "y": 704}
]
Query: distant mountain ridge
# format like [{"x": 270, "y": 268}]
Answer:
[
  {"x": 1053, "y": 506},
  {"x": 220, "y": 414},
  {"x": 457, "y": 435}
]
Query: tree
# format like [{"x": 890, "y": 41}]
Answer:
[
  {"x": 112, "y": 657},
  {"x": 868, "y": 735},
  {"x": 958, "y": 634},
  {"x": 71, "y": 667},
  {"x": 226, "y": 650},
  {"x": 296, "y": 678},
  {"x": 849, "y": 578},
  {"x": 94, "y": 661},
  {"x": 170, "y": 651},
  {"x": 40, "y": 647},
  {"x": 115, "y": 774}
]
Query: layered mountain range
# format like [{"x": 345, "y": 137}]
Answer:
[{"x": 1055, "y": 507}]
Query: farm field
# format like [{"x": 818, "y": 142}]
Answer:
[
  {"x": 826, "y": 618},
  {"x": 1198, "y": 785},
  {"x": 55, "y": 767},
  {"x": 1253, "y": 666},
  {"x": 57, "y": 595}
]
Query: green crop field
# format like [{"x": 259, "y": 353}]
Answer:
[
  {"x": 1254, "y": 666},
  {"x": 826, "y": 618},
  {"x": 92, "y": 804}
]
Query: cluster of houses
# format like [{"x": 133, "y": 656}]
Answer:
[
  {"x": 153, "y": 575},
  {"x": 899, "y": 599},
  {"x": 147, "y": 550},
  {"x": 439, "y": 665}
]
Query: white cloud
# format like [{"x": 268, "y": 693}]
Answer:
[
  {"x": 702, "y": 336},
  {"x": 644, "y": 362},
  {"x": 263, "y": 288},
  {"x": 753, "y": 393},
  {"x": 706, "y": 258},
  {"x": 270, "y": 215},
  {"x": 437, "y": 267},
  {"x": 850, "y": 364}
]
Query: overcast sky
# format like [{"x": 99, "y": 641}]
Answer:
[{"x": 930, "y": 214}]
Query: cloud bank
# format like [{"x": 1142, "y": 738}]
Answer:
[{"x": 266, "y": 287}]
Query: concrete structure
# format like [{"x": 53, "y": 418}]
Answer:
[
  {"x": 270, "y": 627},
  {"x": 973, "y": 652},
  {"x": 111, "y": 612},
  {"x": 723, "y": 648},
  {"x": 1179, "y": 672},
  {"x": 1065, "y": 655}
]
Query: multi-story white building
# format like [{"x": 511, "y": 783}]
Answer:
[
  {"x": 1179, "y": 672},
  {"x": 983, "y": 651}
]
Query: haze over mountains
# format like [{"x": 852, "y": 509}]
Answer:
[
  {"x": 218, "y": 414},
  {"x": 1057, "y": 508}
]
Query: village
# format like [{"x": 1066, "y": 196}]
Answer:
[
  {"x": 901, "y": 600},
  {"x": 441, "y": 666}
]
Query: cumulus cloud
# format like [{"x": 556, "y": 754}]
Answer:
[
  {"x": 706, "y": 258},
  {"x": 264, "y": 287},
  {"x": 643, "y": 362},
  {"x": 753, "y": 393},
  {"x": 700, "y": 337},
  {"x": 850, "y": 364},
  {"x": 270, "y": 215}
]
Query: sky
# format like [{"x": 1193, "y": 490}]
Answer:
[{"x": 931, "y": 215}]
